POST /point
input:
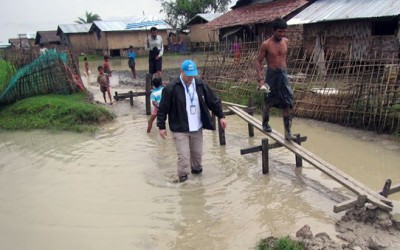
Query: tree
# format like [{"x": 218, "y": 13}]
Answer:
[
  {"x": 179, "y": 12},
  {"x": 90, "y": 18}
]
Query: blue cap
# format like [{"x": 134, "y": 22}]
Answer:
[{"x": 189, "y": 68}]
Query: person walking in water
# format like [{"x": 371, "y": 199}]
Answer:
[
  {"x": 155, "y": 98},
  {"x": 186, "y": 102},
  {"x": 276, "y": 86},
  {"x": 156, "y": 47}
]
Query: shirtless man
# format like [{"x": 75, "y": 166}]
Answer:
[{"x": 278, "y": 92}]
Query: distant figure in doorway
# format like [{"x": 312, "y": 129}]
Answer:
[
  {"x": 156, "y": 47},
  {"x": 155, "y": 98},
  {"x": 131, "y": 61},
  {"x": 104, "y": 81},
  {"x": 180, "y": 44},
  {"x": 42, "y": 49},
  {"x": 236, "y": 47},
  {"x": 172, "y": 42},
  {"x": 276, "y": 86}
]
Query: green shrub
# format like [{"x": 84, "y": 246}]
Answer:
[
  {"x": 6, "y": 72},
  {"x": 284, "y": 243}
]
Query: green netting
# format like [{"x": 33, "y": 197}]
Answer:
[{"x": 49, "y": 73}]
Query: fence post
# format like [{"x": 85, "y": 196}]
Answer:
[
  {"x": 250, "y": 104},
  {"x": 131, "y": 97},
  {"x": 148, "y": 90},
  {"x": 265, "y": 157},
  {"x": 299, "y": 160}
]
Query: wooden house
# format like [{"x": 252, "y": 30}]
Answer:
[
  {"x": 115, "y": 37},
  {"x": 198, "y": 32},
  {"x": 77, "y": 37},
  {"x": 24, "y": 41},
  {"x": 48, "y": 38},
  {"x": 358, "y": 29},
  {"x": 250, "y": 20}
]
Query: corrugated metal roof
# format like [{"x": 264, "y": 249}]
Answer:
[
  {"x": 256, "y": 13},
  {"x": 110, "y": 25},
  {"x": 209, "y": 16},
  {"x": 143, "y": 25},
  {"x": 74, "y": 28},
  {"x": 203, "y": 18},
  {"x": 123, "y": 24},
  {"x": 4, "y": 45},
  {"x": 329, "y": 10}
]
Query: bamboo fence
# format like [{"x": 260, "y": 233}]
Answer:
[{"x": 330, "y": 87}]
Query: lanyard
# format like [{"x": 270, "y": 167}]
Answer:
[{"x": 191, "y": 96}]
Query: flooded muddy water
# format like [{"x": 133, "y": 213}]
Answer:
[{"x": 113, "y": 190}]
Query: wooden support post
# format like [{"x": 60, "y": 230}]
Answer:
[
  {"x": 148, "y": 90},
  {"x": 299, "y": 160},
  {"x": 221, "y": 133},
  {"x": 250, "y": 127},
  {"x": 265, "y": 157},
  {"x": 270, "y": 146},
  {"x": 131, "y": 97},
  {"x": 116, "y": 96},
  {"x": 386, "y": 188}
]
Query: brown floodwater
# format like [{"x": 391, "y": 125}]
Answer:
[{"x": 113, "y": 189}]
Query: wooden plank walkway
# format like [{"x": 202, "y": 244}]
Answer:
[{"x": 353, "y": 185}]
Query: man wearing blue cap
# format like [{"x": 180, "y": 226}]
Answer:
[{"x": 187, "y": 101}]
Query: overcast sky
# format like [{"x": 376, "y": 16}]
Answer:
[{"x": 29, "y": 16}]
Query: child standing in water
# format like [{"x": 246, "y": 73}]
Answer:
[
  {"x": 104, "y": 81},
  {"x": 155, "y": 98},
  {"x": 86, "y": 63},
  {"x": 106, "y": 65},
  {"x": 131, "y": 61}
]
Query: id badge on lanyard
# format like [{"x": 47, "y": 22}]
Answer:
[{"x": 193, "y": 109}]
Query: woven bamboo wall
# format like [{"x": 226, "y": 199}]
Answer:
[
  {"x": 199, "y": 34},
  {"x": 82, "y": 43},
  {"x": 350, "y": 37}
]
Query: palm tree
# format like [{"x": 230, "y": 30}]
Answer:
[{"x": 90, "y": 18}]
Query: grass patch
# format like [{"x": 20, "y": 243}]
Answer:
[
  {"x": 55, "y": 112},
  {"x": 6, "y": 72},
  {"x": 284, "y": 243}
]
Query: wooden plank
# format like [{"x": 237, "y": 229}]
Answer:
[
  {"x": 234, "y": 104},
  {"x": 394, "y": 189},
  {"x": 355, "y": 201},
  {"x": 336, "y": 174},
  {"x": 270, "y": 146},
  {"x": 250, "y": 150},
  {"x": 345, "y": 205}
]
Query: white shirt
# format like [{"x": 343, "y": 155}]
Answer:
[
  {"x": 192, "y": 106},
  {"x": 158, "y": 42},
  {"x": 42, "y": 50}
]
